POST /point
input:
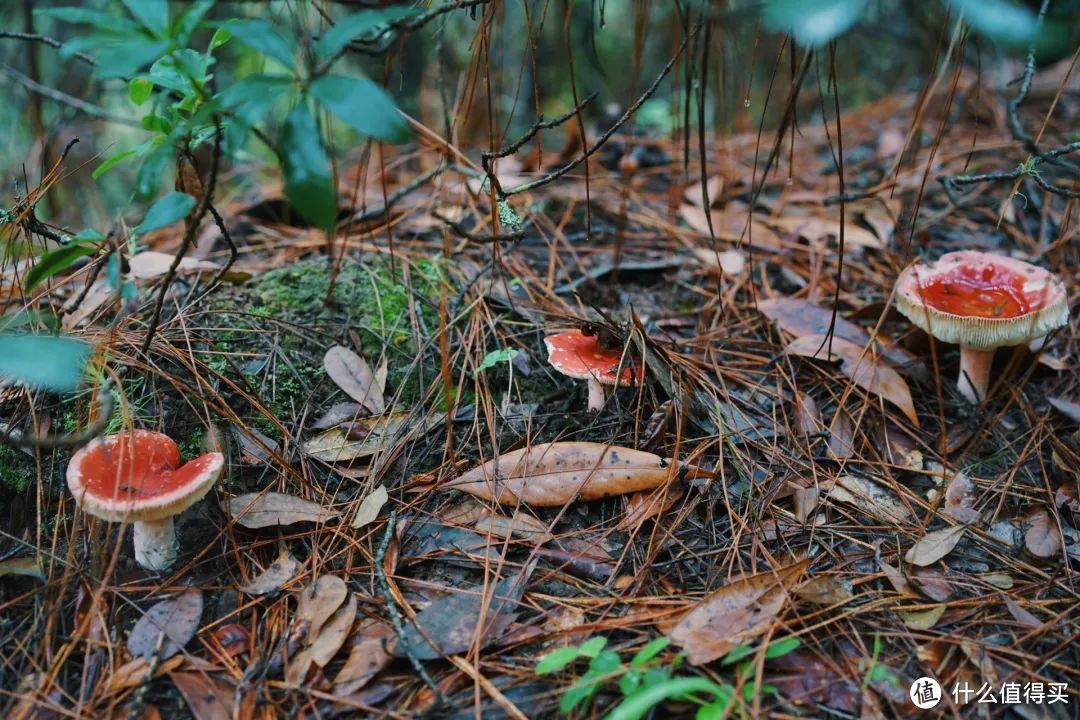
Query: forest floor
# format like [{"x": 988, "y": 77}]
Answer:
[{"x": 833, "y": 541}]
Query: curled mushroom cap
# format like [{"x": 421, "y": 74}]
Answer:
[
  {"x": 580, "y": 356},
  {"x": 136, "y": 476},
  {"x": 981, "y": 302}
]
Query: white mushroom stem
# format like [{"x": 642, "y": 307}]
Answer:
[
  {"x": 974, "y": 378},
  {"x": 596, "y": 394},
  {"x": 155, "y": 544}
]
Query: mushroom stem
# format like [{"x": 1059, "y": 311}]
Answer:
[
  {"x": 155, "y": 544},
  {"x": 974, "y": 378},
  {"x": 596, "y": 395}
]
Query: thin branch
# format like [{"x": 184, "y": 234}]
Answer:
[
  {"x": 66, "y": 99},
  {"x": 45, "y": 40}
]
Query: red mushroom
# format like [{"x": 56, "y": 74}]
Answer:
[
  {"x": 580, "y": 356},
  {"x": 136, "y": 476},
  {"x": 981, "y": 302}
]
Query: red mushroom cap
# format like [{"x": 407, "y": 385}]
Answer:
[
  {"x": 134, "y": 476},
  {"x": 577, "y": 355},
  {"x": 983, "y": 301}
]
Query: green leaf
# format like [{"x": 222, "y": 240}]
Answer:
[
  {"x": 112, "y": 160},
  {"x": 556, "y": 660},
  {"x": 592, "y": 647},
  {"x": 737, "y": 654},
  {"x": 264, "y": 37},
  {"x": 189, "y": 20},
  {"x": 361, "y": 23},
  {"x": 252, "y": 97},
  {"x": 174, "y": 206},
  {"x": 152, "y": 14},
  {"x": 602, "y": 666},
  {"x": 779, "y": 648},
  {"x": 156, "y": 123},
  {"x": 126, "y": 58},
  {"x": 307, "y": 170},
  {"x": 221, "y": 36},
  {"x": 140, "y": 89},
  {"x": 638, "y": 704},
  {"x": 812, "y": 22},
  {"x": 43, "y": 361},
  {"x": 717, "y": 709},
  {"x": 153, "y": 167},
  {"x": 54, "y": 262},
  {"x": 497, "y": 357},
  {"x": 83, "y": 16},
  {"x": 1001, "y": 20},
  {"x": 651, "y": 650},
  {"x": 363, "y": 105}
]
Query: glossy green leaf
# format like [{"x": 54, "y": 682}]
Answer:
[
  {"x": 189, "y": 19},
  {"x": 112, "y": 160},
  {"x": 263, "y": 36},
  {"x": 43, "y": 361},
  {"x": 221, "y": 36},
  {"x": 638, "y": 704},
  {"x": 592, "y": 647},
  {"x": 252, "y": 97},
  {"x": 363, "y": 105},
  {"x": 174, "y": 206},
  {"x": 357, "y": 25},
  {"x": 556, "y": 660},
  {"x": 126, "y": 58},
  {"x": 308, "y": 184},
  {"x": 85, "y": 16},
  {"x": 738, "y": 654},
  {"x": 581, "y": 692},
  {"x": 812, "y": 22},
  {"x": 156, "y": 123},
  {"x": 151, "y": 14},
  {"x": 779, "y": 648},
  {"x": 652, "y": 649},
  {"x": 1007, "y": 22},
  {"x": 140, "y": 89},
  {"x": 56, "y": 261}
]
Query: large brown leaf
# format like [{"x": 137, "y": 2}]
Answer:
[
  {"x": 258, "y": 510},
  {"x": 353, "y": 375},
  {"x": 734, "y": 614},
  {"x": 274, "y": 577},
  {"x": 1042, "y": 538},
  {"x": 207, "y": 697},
  {"x": 553, "y": 474},
  {"x": 935, "y": 545},
  {"x": 865, "y": 370},
  {"x": 176, "y": 618}
]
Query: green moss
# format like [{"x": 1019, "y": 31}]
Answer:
[{"x": 15, "y": 471}]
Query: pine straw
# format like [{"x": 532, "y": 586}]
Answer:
[{"x": 61, "y": 641}]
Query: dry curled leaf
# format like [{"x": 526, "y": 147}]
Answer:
[
  {"x": 553, "y": 474},
  {"x": 274, "y": 577},
  {"x": 960, "y": 499},
  {"x": 318, "y": 601},
  {"x": 207, "y": 696},
  {"x": 1068, "y": 408},
  {"x": 871, "y": 498},
  {"x": 352, "y": 374},
  {"x": 258, "y": 510},
  {"x": 333, "y": 633},
  {"x": 367, "y": 656},
  {"x": 177, "y": 618},
  {"x": 863, "y": 367},
  {"x": 368, "y": 436},
  {"x": 896, "y": 579},
  {"x": 370, "y": 507},
  {"x": 1042, "y": 538},
  {"x": 935, "y": 545},
  {"x": 644, "y": 505},
  {"x": 734, "y": 614},
  {"x": 825, "y": 590},
  {"x": 923, "y": 620},
  {"x": 819, "y": 228},
  {"x": 520, "y": 524}
]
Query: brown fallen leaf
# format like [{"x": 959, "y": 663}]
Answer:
[
  {"x": 274, "y": 577},
  {"x": 177, "y": 618},
  {"x": 734, "y": 614},
  {"x": 207, "y": 696},
  {"x": 378, "y": 434},
  {"x": 841, "y": 435},
  {"x": 370, "y": 507},
  {"x": 1042, "y": 538},
  {"x": 367, "y": 656},
  {"x": 151, "y": 264},
  {"x": 804, "y": 500},
  {"x": 931, "y": 583},
  {"x": 333, "y": 633},
  {"x": 133, "y": 673},
  {"x": 352, "y": 374},
  {"x": 935, "y": 545},
  {"x": 871, "y": 498},
  {"x": 818, "y": 228},
  {"x": 337, "y": 414},
  {"x": 825, "y": 590},
  {"x": 1021, "y": 615},
  {"x": 520, "y": 524},
  {"x": 863, "y": 368},
  {"x": 644, "y": 505},
  {"x": 923, "y": 620},
  {"x": 553, "y": 474},
  {"x": 318, "y": 601},
  {"x": 1000, "y": 580},
  {"x": 259, "y": 510},
  {"x": 960, "y": 499},
  {"x": 896, "y": 579}
]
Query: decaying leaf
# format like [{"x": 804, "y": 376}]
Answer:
[
  {"x": 1021, "y": 615},
  {"x": 825, "y": 590},
  {"x": 368, "y": 436},
  {"x": 333, "y": 633},
  {"x": 367, "y": 656},
  {"x": 871, "y": 498},
  {"x": 258, "y": 510},
  {"x": 353, "y": 375},
  {"x": 1042, "y": 538},
  {"x": 896, "y": 579},
  {"x": 815, "y": 228},
  {"x": 553, "y": 474},
  {"x": 923, "y": 620},
  {"x": 935, "y": 545},
  {"x": 960, "y": 499},
  {"x": 520, "y": 524},
  {"x": 318, "y": 601},
  {"x": 151, "y": 264},
  {"x": 133, "y": 673},
  {"x": 804, "y": 500},
  {"x": 274, "y": 577},
  {"x": 452, "y": 622},
  {"x": 178, "y": 618},
  {"x": 370, "y": 507},
  {"x": 207, "y": 696},
  {"x": 862, "y": 367},
  {"x": 734, "y": 614},
  {"x": 644, "y": 505},
  {"x": 28, "y": 566},
  {"x": 930, "y": 582},
  {"x": 336, "y": 414}
]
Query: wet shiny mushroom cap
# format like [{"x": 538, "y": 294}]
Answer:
[{"x": 577, "y": 355}]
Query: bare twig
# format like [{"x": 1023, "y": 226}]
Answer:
[
  {"x": 45, "y": 40},
  {"x": 64, "y": 98}
]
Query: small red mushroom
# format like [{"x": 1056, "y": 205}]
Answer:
[
  {"x": 580, "y": 356},
  {"x": 981, "y": 302},
  {"x": 136, "y": 476}
]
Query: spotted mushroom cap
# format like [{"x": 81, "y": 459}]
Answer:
[
  {"x": 137, "y": 476},
  {"x": 982, "y": 301},
  {"x": 577, "y": 355}
]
